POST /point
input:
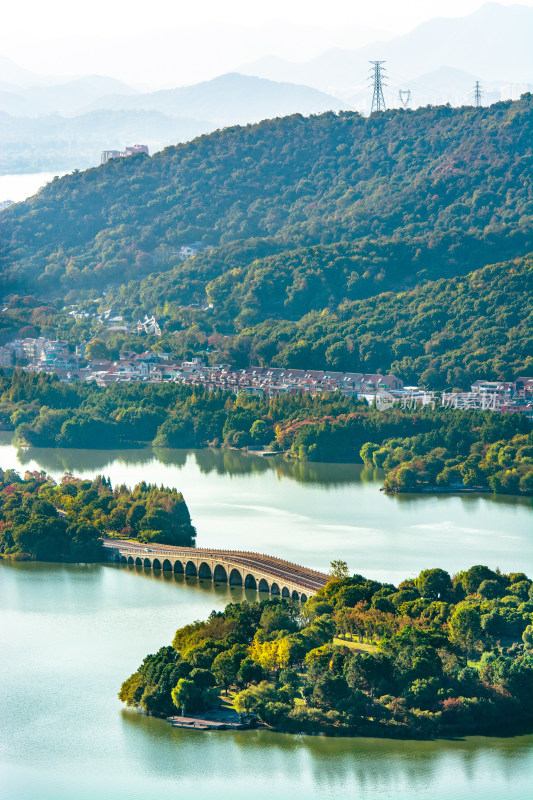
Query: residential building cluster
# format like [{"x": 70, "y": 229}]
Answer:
[
  {"x": 44, "y": 355},
  {"x": 41, "y": 355},
  {"x": 261, "y": 381}
]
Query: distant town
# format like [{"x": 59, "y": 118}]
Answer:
[{"x": 48, "y": 356}]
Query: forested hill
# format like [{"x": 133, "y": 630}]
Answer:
[
  {"x": 457, "y": 179},
  {"x": 444, "y": 333}
]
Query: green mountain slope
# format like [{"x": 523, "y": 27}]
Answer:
[
  {"x": 445, "y": 333},
  {"x": 287, "y": 183}
]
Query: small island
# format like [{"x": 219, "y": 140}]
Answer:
[
  {"x": 434, "y": 656},
  {"x": 47, "y": 521}
]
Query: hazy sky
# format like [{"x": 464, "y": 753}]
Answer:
[{"x": 164, "y": 43}]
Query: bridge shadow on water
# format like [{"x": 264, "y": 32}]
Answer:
[{"x": 233, "y": 594}]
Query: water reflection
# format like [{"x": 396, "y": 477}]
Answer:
[
  {"x": 471, "y": 502},
  {"x": 332, "y": 766},
  {"x": 311, "y": 513},
  {"x": 234, "y": 464},
  {"x": 237, "y": 594},
  {"x": 69, "y": 636}
]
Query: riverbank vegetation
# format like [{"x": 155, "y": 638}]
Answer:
[
  {"x": 420, "y": 448},
  {"x": 48, "y": 521},
  {"x": 442, "y": 656},
  {"x": 433, "y": 462}
]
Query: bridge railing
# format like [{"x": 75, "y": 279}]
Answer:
[{"x": 190, "y": 550}]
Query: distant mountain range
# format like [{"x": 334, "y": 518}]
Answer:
[
  {"x": 229, "y": 100},
  {"x": 493, "y": 44},
  {"x": 438, "y": 63},
  {"x": 54, "y": 97},
  {"x": 33, "y": 143}
]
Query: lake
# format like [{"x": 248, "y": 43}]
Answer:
[
  {"x": 70, "y": 634},
  {"x": 312, "y": 513},
  {"x": 20, "y": 187}
]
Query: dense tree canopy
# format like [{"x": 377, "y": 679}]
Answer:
[
  {"x": 296, "y": 181},
  {"x": 47, "y": 521},
  {"x": 431, "y": 656},
  {"x": 308, "y": 219}
]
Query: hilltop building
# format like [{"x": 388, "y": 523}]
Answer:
[{"x": 134, "y": 150}]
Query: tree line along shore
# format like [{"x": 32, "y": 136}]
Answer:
[
  {"x": 43, "y": 520},
  {"x": 419, "y": 449}
]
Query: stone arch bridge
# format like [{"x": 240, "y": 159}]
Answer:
[{"x": 251, "y": 570}]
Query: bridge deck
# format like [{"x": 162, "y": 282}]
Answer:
[{"x": 275, "y": 567}]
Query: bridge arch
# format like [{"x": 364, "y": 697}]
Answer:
[
  {"x": 250, "y": 582},
  {"x": 190, "y": 569},
  {"x": 220, "y": 575},
  {"x": 221, "y": 566},
  {"x": 235, "y": 577},
  {"x": 204, "y": 571}
]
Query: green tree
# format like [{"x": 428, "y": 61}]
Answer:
[
  {"x": 249, "y": 672},
  {"x": 435, "y": 584},
  {"x": 224, "y": 669},
  {"x": 96, "y": 350},
  {"x": 465, "y": 626},
  {"x": 338, "y": 570},
  {"x": 185, "y": 695}
]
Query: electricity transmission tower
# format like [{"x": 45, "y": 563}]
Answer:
[
  {"x": 478, "y": 91},
  {"x": 404, "y": 96},
  {"x": 377, "y": 76}
]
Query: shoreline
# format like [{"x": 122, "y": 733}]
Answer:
[
  {"x": 368, "y": 731},
  {"x": 286, "y": 456}
]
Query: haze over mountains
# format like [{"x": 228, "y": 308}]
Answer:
[
  {"x": 439, "y": 62},
  {"x": 231, "y": 99},
  {"x": 493, "y": 44},
  {"x": 51, "y": 141}
]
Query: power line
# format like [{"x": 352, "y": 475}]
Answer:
[
  {"x": 478, "y": 91},
  {"x": 377, "y": 74}
]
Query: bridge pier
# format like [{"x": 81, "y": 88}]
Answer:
[{"x": 249, "y": 570}]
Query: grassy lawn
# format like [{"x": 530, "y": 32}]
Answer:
[
  {"x": 361, "y": 647},
  {"x": 226, "y": 700}
]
